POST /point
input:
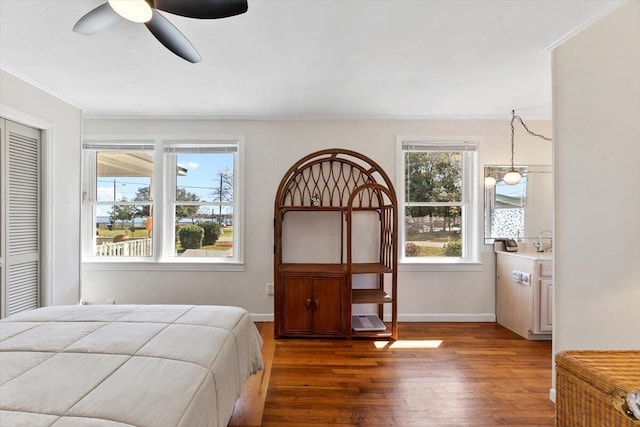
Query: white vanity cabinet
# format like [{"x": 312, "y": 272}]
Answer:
[{"x": 524, "y": 293}]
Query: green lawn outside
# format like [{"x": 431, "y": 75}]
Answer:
[
  {"x": 433, "y": 237},
  {"x": 428, "y": 251},
  {"x": 104, "y": 232},
  {"x": 227, "y": 234}
]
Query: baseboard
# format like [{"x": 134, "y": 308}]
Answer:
[
  {"x": 447, "y": 317},
  {"x": 552, "y": 394},
  {"x": 439, "y": 317},
  {"x": 262, "y": 317}
]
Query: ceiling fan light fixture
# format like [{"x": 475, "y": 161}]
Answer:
[
  {"x": 147, "y": 12},
  {"x": 132, "y": 10}
]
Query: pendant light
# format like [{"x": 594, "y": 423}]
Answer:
[
  {"x": 489, "y": 182},
  {"x": 513, "y": 176}
]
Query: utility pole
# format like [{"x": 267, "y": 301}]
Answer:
[
  {"x": 113, "y": 212},
  {"x": 220, "y": 205}
]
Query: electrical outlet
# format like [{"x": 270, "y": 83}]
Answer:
[
  {"x": 516, "y": 276},
  {"x": 269, "y": 288},
  {"x": 526, "y": 279}
]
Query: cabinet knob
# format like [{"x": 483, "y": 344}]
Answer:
[
  {"x": 316, "y": 304},
  {"x": 308, "y": 303}
]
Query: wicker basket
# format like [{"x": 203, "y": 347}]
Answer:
[{"x": 592, "y": 386}]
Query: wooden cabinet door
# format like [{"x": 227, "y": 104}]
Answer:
[
  {"x": 327, "y": 305},
  {"x": 546, "y": 305},
  {"x": 298, "y": 299},
  {"x": 312, "y": 305}
]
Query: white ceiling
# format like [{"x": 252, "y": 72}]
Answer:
[{"x": 303, "y": 58}]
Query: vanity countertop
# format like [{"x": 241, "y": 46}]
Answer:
[{"x": 529, "y": 255}]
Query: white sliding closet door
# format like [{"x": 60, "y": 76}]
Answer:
[{"x": 19, "y": 218}]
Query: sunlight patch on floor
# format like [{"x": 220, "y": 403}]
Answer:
[{"x": 408, "y": 344}]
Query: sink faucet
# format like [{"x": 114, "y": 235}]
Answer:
[{"x": 540, "y": 245}]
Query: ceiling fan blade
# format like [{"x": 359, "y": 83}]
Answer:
[
  {"x": 203, "y": 9},
  {"x": 99, "y": 19},
  {"x": 172, "y": 38}
]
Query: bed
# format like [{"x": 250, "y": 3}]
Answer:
[{"x": 125, "y": 365}]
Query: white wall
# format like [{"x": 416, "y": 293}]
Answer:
[
  {"x": 271, "y": 148},
  {"x": 24, "y": 103},
  {"x": 596, "y": 77},
  {"x": 539, "y": 210}
]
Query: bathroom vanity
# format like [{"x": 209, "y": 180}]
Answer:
[
  {"x": 524, "y": 211},
  {"x": 524, "y": 293}
]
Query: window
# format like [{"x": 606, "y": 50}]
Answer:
[
  {"x": 162, "y": 200},
  {"x": 437, "y": 183},
  {"x": 201, "y": 195}
]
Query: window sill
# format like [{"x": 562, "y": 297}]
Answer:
[
  {"x": 451, "y": 264},
  {"x": 165, "y": 265}
]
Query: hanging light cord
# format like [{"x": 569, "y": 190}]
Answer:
[{"x": 513, "y": 118}]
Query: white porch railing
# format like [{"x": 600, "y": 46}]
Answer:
[{"x": 131, "y": 247}]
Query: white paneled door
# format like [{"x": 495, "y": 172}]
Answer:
[{"x": 19, "y": 217}]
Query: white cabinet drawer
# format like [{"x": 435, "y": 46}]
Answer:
[{"x": 546, "y": 269}]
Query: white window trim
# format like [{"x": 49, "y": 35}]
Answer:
[
  {"x": 161, "y": 260},
  {"x": 472, "y": 262}
]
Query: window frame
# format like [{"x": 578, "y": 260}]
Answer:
[
  {"x": 470, "y": 261},
  {"x": 162, "y": 257}
]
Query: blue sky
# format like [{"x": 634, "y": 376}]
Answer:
[{"x": 202, "y": 173}]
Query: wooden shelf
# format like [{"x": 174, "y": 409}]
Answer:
[
  {"x": 315, "y": 299},
  {"x": 313, "y": 268},
  {"x": 356, "y": 268},
  {"x": 369, "y": 267},
  {"x": 370, "y": 296},
  {"x": 386, "y": 334},
  {"x": 284, "y": 209}
]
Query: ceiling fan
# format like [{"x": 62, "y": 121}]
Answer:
[{"x": 112, "y": 12}]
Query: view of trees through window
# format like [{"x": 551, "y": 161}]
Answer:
[
  {"x": 203, "y": 205},
  {"x": 122, "y": 203},
  {"x": 200, "y": 204},
  {"x": 433, "y": 203}
]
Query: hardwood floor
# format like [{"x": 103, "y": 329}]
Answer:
[{"x": 481, "y": 374}]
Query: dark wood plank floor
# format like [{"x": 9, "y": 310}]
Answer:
[{"x": 481, "y": 374}]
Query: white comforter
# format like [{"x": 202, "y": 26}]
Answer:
[{"x": 125, "y": 365}]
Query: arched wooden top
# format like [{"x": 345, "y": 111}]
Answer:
[{"x": 328, "y": 178}]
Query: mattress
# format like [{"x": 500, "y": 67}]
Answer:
[{"x": 125, "y": 365}]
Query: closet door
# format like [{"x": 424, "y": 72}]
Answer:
[{"x": 20, "y": 233}]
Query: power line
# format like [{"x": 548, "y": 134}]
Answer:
[{"x": 147, "y": 185}]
